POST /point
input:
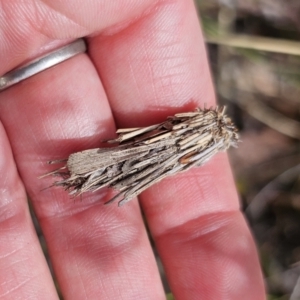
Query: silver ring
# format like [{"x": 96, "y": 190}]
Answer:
[{"x": 42, "y": 63}]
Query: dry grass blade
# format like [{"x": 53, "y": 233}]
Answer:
[{"x": 144, "y": 156}]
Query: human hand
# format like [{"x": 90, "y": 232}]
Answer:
[{"x": 146, "y": 60}]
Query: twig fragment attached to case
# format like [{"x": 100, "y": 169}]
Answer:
[{"x": 144, "y": 156}]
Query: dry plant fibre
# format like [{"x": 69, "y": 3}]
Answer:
[{"x": 145, "y": 156}]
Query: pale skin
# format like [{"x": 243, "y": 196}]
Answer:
[{"x": 146, "y": 60}]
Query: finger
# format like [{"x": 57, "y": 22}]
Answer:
[
  {"x": 96, "y": 251},
  {"x": 19, "y": 246},
  {"x": 29, "y": 28},
  {"x": 152, "y": 69},
  {"x": 37, "y": 147}
]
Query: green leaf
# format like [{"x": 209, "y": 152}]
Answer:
[{"x": 170, "y": 296}]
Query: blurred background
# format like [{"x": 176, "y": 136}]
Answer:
[{"x": 254, "y": 52}]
